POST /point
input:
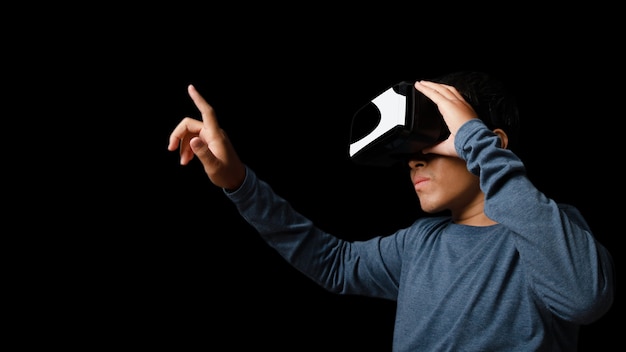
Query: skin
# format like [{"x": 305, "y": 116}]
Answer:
[{"x": 440, "y": 177}]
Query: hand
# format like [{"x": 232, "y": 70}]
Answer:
[
  {"x": 454, "y": 109},
  {"x": 206, "y": 140}
]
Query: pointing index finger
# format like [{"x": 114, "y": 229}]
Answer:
[{"x": 208, "y": 114}]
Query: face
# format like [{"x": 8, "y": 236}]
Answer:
[{"x": 444, "y": 183}]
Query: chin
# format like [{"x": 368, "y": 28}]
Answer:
[{"x": 431, "y": 210}]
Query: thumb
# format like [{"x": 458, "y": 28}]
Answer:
[{"x": 201, "y": 150}]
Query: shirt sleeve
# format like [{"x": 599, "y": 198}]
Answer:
[
  {"x": 568, "y": 269},
  {"x": 369, "y": 268}
]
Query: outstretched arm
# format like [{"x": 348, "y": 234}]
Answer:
[{"x": 206, "y": 140}]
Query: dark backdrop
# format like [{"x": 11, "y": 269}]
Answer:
[
  {"x": 205, "y": 274},
  {"x": 164, "y": 260}
]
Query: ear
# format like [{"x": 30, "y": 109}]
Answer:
[{"x": 504, "y": 139}]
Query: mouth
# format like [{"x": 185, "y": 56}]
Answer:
[
  {"x": 419, "y": 182},
  {"x": 419, "y": 179}
]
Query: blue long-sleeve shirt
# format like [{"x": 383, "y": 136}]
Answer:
[{"x": 524, "y": 284}]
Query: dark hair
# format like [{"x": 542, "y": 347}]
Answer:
[{"x": 493, "y": 103}]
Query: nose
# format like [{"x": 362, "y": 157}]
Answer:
[{"x": 417, "y": 160}]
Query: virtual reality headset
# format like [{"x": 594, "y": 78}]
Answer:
[{"x": 397, "y": 123}]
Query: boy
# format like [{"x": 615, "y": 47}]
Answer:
[{"x": 497, "y": 267}]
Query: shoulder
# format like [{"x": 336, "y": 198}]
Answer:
[{"x": 426, "y": 226}]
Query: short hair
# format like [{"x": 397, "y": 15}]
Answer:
[{"x": 491, "y": 100}]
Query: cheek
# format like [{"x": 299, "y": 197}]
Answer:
[{"x": 455, "y": 179}]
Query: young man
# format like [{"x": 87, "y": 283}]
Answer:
[{"x": 497, "y": 267}]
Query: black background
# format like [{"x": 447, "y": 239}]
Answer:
[{"x": 156, "y": 256}]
